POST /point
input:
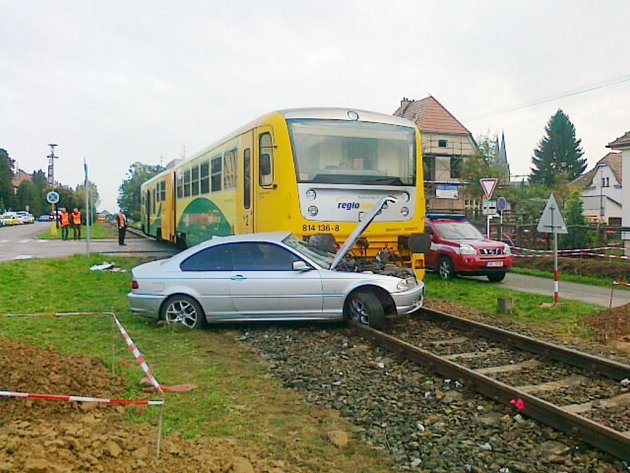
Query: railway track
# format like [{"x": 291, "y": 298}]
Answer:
[{"x": 580, "y": 394}]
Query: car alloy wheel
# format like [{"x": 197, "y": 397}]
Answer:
[
  {"x": 183, "y": 310},
  {"x": 365, "y": 308},
  {"x": 445, "y": 268}
]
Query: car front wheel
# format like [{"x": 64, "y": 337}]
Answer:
[
  {"x": 183, "y": 310},
  {"x": 496, "y": 277},
  {"x": 446, "y": 270},
  {"x": 364, "y": 308}
]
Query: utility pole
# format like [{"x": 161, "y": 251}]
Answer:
[{"x": 51, "y": 182}]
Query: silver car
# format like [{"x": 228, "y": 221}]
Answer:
[{"x": 270, "y": 277}]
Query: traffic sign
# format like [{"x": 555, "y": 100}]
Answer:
[
  {"x": 551, "y": 220},
  {"x": 502, "y": 204},
  {"x": 489, "y": 207},
  {"x": 52, "y": 197},
  {"x": 488, "y": 184}
]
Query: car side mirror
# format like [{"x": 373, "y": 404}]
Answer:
[
  {"x": 301, "y": 266},
  {"x": 419, "y": 243}
]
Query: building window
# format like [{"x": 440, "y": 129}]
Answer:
[
  {"x": 442, "y": 143},
  {"x": 456, "y": 168},
  {"x": 605, "y": 182}
]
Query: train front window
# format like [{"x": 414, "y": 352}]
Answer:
[{"x": 340, "y": 152}]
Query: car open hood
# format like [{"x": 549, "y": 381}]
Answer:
[{"x": 363, "y": 224}]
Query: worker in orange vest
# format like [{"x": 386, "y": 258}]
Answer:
[
  {"x": 121, "y": 220},
  {"x": 65, "y": 223},
  {"x": 76, "y": 224}
]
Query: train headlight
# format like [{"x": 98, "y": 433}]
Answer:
[
  {"x": 405, "y": 197},
  {"x": 311, "y": 194},
  {"x": 312, "y": 210},
  {"x": 404, "y": 211}
]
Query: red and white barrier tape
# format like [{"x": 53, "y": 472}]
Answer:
[
  {"x": 566, "y": 250},
  {"x": 138, "y": 356},
  {"x": 58, "y": 397},
  {"x": 132, "y": 346}
]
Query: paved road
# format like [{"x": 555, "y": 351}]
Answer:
[
  {"x": 21, "y": 242},
  {"x": 567, "y": 290}
]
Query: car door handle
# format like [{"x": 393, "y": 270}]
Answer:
[{"x": 237, "y": 277}]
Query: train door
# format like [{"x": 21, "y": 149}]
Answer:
[
  {"x": 263, "y": 180},
  {"x": 247, "y": 191},
  {"x": 148, "y": 212}
]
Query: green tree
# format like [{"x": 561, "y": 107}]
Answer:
[
  {"x": 26, "y": 195},
  {"x": 576, "y": 222},
  {"x": 81, "y": 198},
  {"x": 40, "y": 183},
  {"x": 129, "y": 190},
  {"x": 481, "y": 165},
  {"x": 559, "y": 154},
  {"x": 6, "y": 180}
]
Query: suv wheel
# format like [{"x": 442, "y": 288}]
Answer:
[
  {"x": 496, "y": 277},
  {"x": 446, "y": 270}
]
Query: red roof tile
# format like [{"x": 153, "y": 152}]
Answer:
[
  {"x": 621, "y": 142},
  {"x": 430, "y": 115}
]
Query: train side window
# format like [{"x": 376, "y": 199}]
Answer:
[
  {"x": 205, "y": 177},
  {"x": 180, "y": 186},
  {"x": 216, "y": 172},
  {"x": 153, "y": 194},
  {"x": 229, "y": 167},
  {"x": 247, "y": 179},
  {"x": 162, "y": 191},
  {"x": 266, "y": 160},
  {"x": 187, "y": 183},
  {"x": 195, "y": 181}
]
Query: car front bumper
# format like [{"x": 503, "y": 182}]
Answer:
[
  {"x": 475, "y": 264},
  {"x": 409, "y": 301},
  {"x": 145, "y": 304}
]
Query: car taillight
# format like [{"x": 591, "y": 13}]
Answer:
[{"x": 134, "y": 284}]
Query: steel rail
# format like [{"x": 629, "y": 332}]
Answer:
[
  {"x": 592, "y": 363},
  {"x": 593, "y": 433}
]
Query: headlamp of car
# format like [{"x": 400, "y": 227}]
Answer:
[
  {"x": 507, "y": 250},
  {"x": 407, "y": 283},
  {"x": 465, "y": 249}
]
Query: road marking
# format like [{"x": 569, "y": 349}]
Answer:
[
  {"x": 43, "y": 241},
  {"x": 4, "y": 241},
  {"x": 23, "y": 257},
  {"x": 28, "y": 240}
]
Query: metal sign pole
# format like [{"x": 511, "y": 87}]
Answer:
[{"x": 556, "y": 274}]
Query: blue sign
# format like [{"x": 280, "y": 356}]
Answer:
[
  {"x": 52, "y": 197},
  {"x": 501, "y": 204}
]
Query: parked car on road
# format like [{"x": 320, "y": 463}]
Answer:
[
  {"x": 11, "y": 218},
  {"x": 271, "y": 277},
  {"x": 457, "y": 247},
  {"x": 44, "y": 218},
  {"x": 26, "y": 217}
]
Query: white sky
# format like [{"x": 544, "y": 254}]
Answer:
[{"x": 119, "y": 81}]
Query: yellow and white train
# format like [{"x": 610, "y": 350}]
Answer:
[{"x": 311, "y": 171}]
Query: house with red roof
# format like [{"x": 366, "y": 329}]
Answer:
[
  {"x": 622, "y": 144},
  {"x": 445, "y": 144}
]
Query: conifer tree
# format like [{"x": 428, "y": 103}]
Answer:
[{"x": 558, "y": 154}]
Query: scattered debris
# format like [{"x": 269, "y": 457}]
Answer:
[{"x": 105, "y": 266}]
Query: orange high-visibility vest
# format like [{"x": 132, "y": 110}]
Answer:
[
  {"x": 122, "y": 220},
  {"x": 76, "y": 218},
  {"x": 65, "y": 219}
]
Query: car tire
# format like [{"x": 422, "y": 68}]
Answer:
[
  {"x": 183, "y": 310},
  {"x": 496, "y": 277},
  {"x": 446, "y": 270},
  {"x": 364, "y": 308}
]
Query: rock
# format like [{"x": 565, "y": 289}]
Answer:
[
  {"x": 552, "y": 448},
  {"x": 113, "y": 449},
  {"x": 338, "y": 438},
  {"x": 39, "y": 465}
]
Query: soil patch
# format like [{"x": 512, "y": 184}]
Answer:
[{"x": 39, "y": 436}]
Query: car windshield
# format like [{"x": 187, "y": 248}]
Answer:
[
  {"x": 341, "y": 152},
  {"x": 458, "y": 231},
  {"x": 322, "y": 257}
]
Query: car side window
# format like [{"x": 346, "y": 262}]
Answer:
[
  {"x": 261, "y": 257},
  {"x": 215, "y": 258}
]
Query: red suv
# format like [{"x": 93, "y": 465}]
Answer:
[{"x": 457, "y": 247}]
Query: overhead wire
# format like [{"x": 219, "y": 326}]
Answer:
[{"x": 549, "y": 98}]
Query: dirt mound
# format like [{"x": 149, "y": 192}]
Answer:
[
  {"x": 613, "y": 324},
  {"x": 38, "y": 436},
  {"x": 606, "y": 269}
]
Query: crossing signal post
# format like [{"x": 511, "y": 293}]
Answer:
[{"x": 551, "y": 221}]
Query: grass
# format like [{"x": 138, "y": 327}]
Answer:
[
  {"x": 235, "y": 397},
  {"x": 98, "y": 231},
  {"x": 482, "y": 296}
]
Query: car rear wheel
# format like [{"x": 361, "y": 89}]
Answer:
[
  {"x": 446, "y": 270},
  {"x": 183, "y": 310},
  {"x": 364, "y": 308},
  {"x": 496, "y": 277}
]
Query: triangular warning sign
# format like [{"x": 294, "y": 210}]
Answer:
[
  {"x": 488, "y": 184},
  {"x": 551, "y": 220}
]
